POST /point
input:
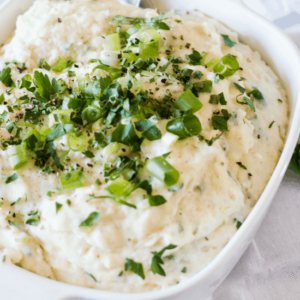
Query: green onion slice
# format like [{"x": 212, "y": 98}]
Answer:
[
  {"x": 114, "y": 42},
  {"x": 149, "y": 50},
  {"x": 120, "y": 187},
  {"x": 72, "y": 180},
  {"x": 76, "y": 140},
  {"x": 92, "y": 113},
  {"x": 227, "y": 66},
  {"x": 17, "y": 156},
  {"x": 188, "y": 102},
  {"x": 162, "y": 170},
  {"x": 62, "y": 116},
  {"x": 150, "y": 36},
  {"x": 184, "y": 127}
]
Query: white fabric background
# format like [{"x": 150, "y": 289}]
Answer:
[{"x": 270, "y": 268}]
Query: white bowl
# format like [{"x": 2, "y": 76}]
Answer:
[{"x": 283, "y": 56}]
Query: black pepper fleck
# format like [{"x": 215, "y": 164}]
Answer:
[
  {"x": 188, "y": 45},
  {"x": 59, "y": 20},
  {"x": 164, "y": 80}
]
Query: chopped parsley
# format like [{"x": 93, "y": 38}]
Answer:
[
  {"x": 157, "y": 261},
  {"x": 228, "y": 41},
  {"x": 58, "y": 206},
  {"x": 220, "y": 122},
  {"x": 91, "y": 220},
  {"x": 270, "y": 126},
  {"x": 134, "y": 267},
  {"x": 34, "y": 217}
]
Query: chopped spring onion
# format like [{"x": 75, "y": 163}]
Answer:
[
  {"x": 17, "y": 156},
  {"x": 120, "y": 187},
  {"x": 72, "y": 180},
  {"x": 92, "y": 113},
  {"x": 62, "y": 116},
  {"x": 212, "y": 62},
  {"x": 188, "y": 102},
  {"x": 162, "y": 170},
  {"x": 112, "y": 148},
  {"x": 114, "y": 42},
  {"x": 149, "y": 50},
  {"x": 76, "y": 140},
  {"x": 223, "y": 66},
  {"x": 150, "y": 36},
  {"x": 184, "y": 127}
]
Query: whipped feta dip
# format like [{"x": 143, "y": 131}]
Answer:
[{"x": 134, "y": 164}]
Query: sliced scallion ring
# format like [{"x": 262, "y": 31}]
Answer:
[
  {"x": 17, "y": 156},
  {"x": 188, "y": 102},
  {"x": 72, "y": 180},
  {"x": 114, "y": 42},
  {"x": 62, "y": 116},
  {"x": 92, "y": 113},
  {"x": 150, "y": 36},
  {"x": 76, "y": 140},
  {"x": 120, "y": 187},
  {"x": 227, "y": 66},
  {"x": 163, "y": 171}
]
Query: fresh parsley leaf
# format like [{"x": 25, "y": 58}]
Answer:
[
  {"x": 91, "y": 220},
  {"x": 242, "y": 79},
  {"x": 220, "y": 122},
  {"x": 216, "y": 99},
  {"x": 88, "y": 154},
  {"x": 134, "y": 267},
  {"x": 5, "y": 77},
  {"x": 98, "y": 182},
  {"x": 157, "y": 261},
  {"x": 194, "y": 58},
  {"x": 124, "y": 134},
  {"x": 149, "y": 130},
  {"x": 228, "y": 41},
  {"x": 10, "y": 179},
  {"x": 2, "y": 98},
  {"x": 44, "y": 86},
  {"x": 184, "y": 270},
  {"x": 198, "y": 74},
  {"x": 156, "y": 200},
  {"x": 58, "y": 206},
  {"x": 59, "y": 131},
  {"x": 34, "y": 217},
  {"x": 69, "y": 202}
]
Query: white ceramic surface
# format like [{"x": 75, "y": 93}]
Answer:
[{"x": 16, "y": 283}]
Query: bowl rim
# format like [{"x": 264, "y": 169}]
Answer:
[{"x": 264, "y": 200}]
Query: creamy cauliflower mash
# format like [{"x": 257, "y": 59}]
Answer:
[{"x": 133, "y": 144}]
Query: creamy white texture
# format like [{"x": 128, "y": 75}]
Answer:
[{"x": 200, "y": 217}]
